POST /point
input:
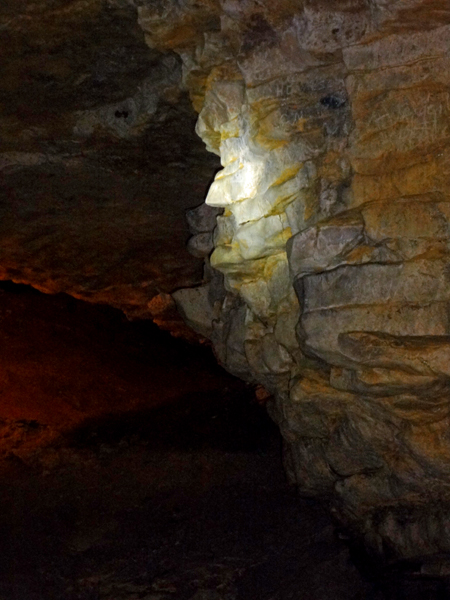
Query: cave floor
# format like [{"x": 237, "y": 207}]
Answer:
[{"x": 133, "y": 467}]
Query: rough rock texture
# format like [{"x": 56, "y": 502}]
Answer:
[
  {"x": 325, "y": 236},
  {"x": 98, "y": 156},
  {"x": 332, "y": 123}
]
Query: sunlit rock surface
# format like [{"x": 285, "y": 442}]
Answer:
[{"x": 332, "y": 123}]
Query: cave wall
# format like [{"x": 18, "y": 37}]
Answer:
[
  {"x": 324, "y": 236},
  {"x": 329, "y": 276}
]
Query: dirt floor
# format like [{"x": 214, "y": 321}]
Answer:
[{"x": 133, "y": 467}]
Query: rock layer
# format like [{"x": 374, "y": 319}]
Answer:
[
  {"x": 98, "y": 156},
  {"x": 332, "y": 124}
]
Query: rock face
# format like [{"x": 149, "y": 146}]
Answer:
[
  {"x": 98, "y": 156},
  {"x": 325, "y": 235},
  {"x": 331, "y": 120}
]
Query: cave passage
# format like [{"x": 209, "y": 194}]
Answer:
[{"x": 133, "y": 467}]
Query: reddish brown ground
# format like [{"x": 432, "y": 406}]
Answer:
[{"x": 134, "y": 468}]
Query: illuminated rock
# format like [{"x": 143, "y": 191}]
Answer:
[{"x": 332, "y": 123}]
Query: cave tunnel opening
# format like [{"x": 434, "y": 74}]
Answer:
[{"x": 133, "y": 466}]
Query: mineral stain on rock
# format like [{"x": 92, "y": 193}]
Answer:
[{"x": 332, "y": 102}]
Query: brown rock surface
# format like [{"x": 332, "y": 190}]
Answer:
[
  {"x": 98, "y": 156},
  {"x": 331, "y": 120}
]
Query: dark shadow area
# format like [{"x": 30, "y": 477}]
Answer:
[
  {"x": 421, "y": 578},
  {"x": 134, "y": 468},
  {"x": 227, "y": 422}
]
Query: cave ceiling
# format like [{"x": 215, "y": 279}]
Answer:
[{"x": 98, "y": 156}]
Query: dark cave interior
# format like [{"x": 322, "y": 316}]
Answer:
[{"x": 133, "y": 466}]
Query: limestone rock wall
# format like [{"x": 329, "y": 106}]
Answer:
[{"x": 332, "y": 124}]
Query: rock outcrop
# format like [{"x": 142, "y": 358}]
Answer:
[
  {"x": 98, "y": 156},
  {"x": 331, "y": 120}
]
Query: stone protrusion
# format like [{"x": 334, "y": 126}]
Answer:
[{"x": 332, "y": 124}]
